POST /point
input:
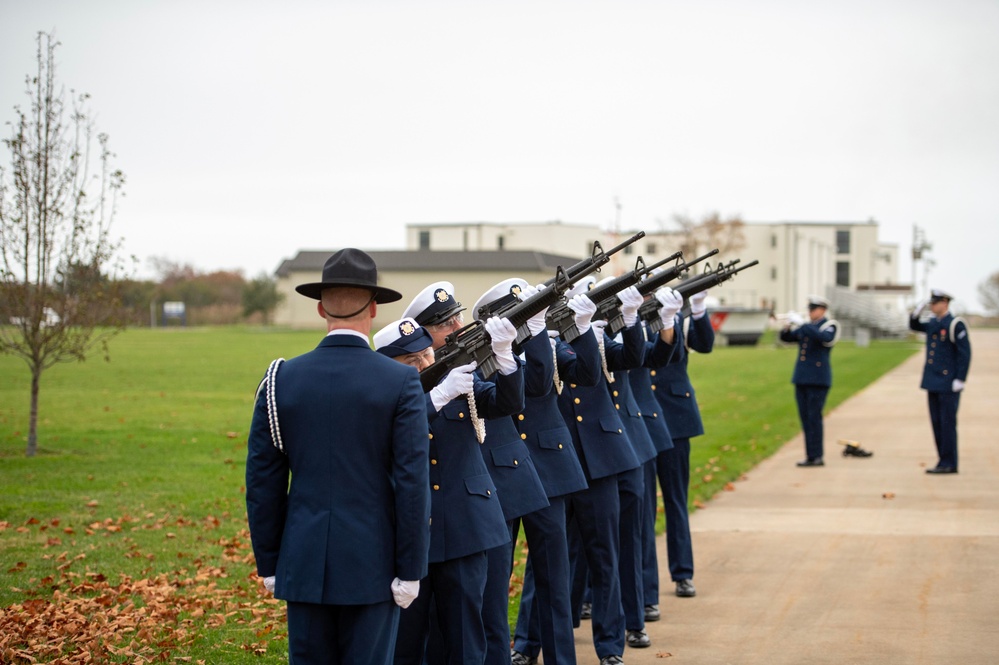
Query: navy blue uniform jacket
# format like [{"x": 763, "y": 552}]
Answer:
[
  {"x": 356, "y": 512},
  {"x": 815, "y": 341},
  {"x": 948, "y": 352},
  {"x": 672, "y": 383}
]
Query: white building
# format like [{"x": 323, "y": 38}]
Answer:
[{"x": 843, "y": 261}]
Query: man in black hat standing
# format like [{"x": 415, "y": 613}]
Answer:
[
  {"x": 948, "y": 357},
  {"x": 812, "y": 376},
  {"x": 346, "y": 542}
]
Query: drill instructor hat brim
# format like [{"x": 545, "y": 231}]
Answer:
[{"x": 352, "y": 268}]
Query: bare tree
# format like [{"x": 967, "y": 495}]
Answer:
[
  {"x": 988, "y": 292},
  {"x": 710, "y": 232},
  {"x": 59, "y": 266}
]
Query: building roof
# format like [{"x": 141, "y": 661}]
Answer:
[{"x": 414, "y": 261}]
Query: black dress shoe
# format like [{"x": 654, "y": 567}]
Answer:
[
  {"x": 942, "y": 469},
  {"x": 651, "y": 613},
  {"x": 517, "y": 658},
  {"x": 586, "y": 611},
  {"x": 812, "y": 461},
  {"x": 856, "y": 451},
  {"x": 638, "y": 639},
  {"x": 612, "y": 660},
  {"x": 685, "y": 589}
]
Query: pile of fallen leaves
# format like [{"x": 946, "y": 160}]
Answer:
[{"x": 71, "y": 617}]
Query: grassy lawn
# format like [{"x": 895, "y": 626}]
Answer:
[{"x": 126, "y": 539}]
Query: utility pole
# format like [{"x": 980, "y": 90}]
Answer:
[{"x": 919, "y": 246}]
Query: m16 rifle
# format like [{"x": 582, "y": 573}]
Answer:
[
  {"x": 708, "y": 280},
  {"x": 472, "y": 342},
  {"x": 597, "y": 259},
  {"x": 609, "y": 308},
  {"x": 649, "y": 311}
]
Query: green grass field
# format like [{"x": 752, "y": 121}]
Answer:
[{"x": 125, "y": 537}]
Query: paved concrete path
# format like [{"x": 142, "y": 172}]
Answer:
[{"x": 861, "y": 561}]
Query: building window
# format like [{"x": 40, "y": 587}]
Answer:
[
  {"x": 773, "y": 239},
  {"x": 500, "y": 241},
  {"x": 842, "y": 242},
  {"x": 630, "y": 249},
  {"x": 424, "y": 239},
  {"x": 651, "y": 248},
  {"x": 842, "y": 273},
  {"x": 773, "y": 273}
]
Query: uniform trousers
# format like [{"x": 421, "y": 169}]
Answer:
[
  {"x": 545, "y": 611},
  {"x": 811, "y": 400},
  {"x": 673, "y": 467},
  {"x": 596, "y": 512},
  {"x": 943, "y": 417},
  {"x": 342, "y": 634},
  {"x": 455, "y": 587},
  {"x": 650, "y": 559},
  {"x": 631, "y": 487}
]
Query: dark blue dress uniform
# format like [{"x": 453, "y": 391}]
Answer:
[
  {"x": 948, "y": 357},
  {"x": 657, "y": 355},
  {"x": 812, "y": 378},
  {"x": 521, "y": 494},
  {"x": 544, "y": 622},
  {"x": 467, "y": 522},
  {"x": 679, "y": 405},
  {"x": 355, "y": 515},
  {"x": 604, "y": 451}
]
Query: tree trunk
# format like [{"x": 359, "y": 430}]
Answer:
[{"x": 36, "y": 375}]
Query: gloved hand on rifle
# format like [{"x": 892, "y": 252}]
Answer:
[
  {"x": 698, "y": 306},
  {"x": 631, "y": 300},
  {"x": 671, "y": 302},
  {"x": 502, "y": 333},
  {"x": 584, "y": 309},
  {"x": 536, "y": 324},
  {"x": 458, "y": 382}
]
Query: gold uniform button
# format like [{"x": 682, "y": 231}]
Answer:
[
  {"x": 653, "y": 386},
  {"x": 572, "y": 385},
  {"x": 523, "y": 436},
  {"x": 461, "y": 415},
  {"x": 639, "y": 413},
  {"x": 560, "y": 446},
  {"x": 431, "y": 435},
  {"x": 579, "y": 419},
  {"x": 433, "y": 461},
  {"x": 818, "y": 364},
  {"x": 655, "y": 415},
  {"x": 516, "y": 463},
  {"x": 489, "y": 492},
  {"x": 617, "y": 406},
  {"x": 930, "y": 361},
  {"x": 520, "y": 417},
  {"x": 652, "y": 372},
  {"x": 618, "y": 431},
  {"x": 686, "y": 394},
  {"x": 945, "y": 372},
  {"x": 575, "y": 401},
  {"x": 436, "y": 487},
  {"x": 615, "y": 393}
]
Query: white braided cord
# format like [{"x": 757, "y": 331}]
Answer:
[
  {"x": 478, "y": 424},
  {"x": 556, "y": 377},
  {"x": 603, "y": 358},
  {"x": 270, "y": 386}
]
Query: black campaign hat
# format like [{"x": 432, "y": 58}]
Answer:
[{"x": 349, "y": 267}]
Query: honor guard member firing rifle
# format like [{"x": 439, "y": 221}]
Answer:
[
  {"x": 515, "y": 484},
  {"x": 465, "y": 515},
  {"x": 604, "y": 451},
  {"x": 948, "y": 358},
  {"x": 676, "y": 395},
  {"x": 345, "y": 542},
  {"x": 657, "y": 355},
  {"x": 812, "y": 372}
]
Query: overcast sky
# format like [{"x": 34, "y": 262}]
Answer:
[{"x": 251, "y": 130}]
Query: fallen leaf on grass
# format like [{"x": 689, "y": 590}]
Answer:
[{"x": 888, "y": 495}]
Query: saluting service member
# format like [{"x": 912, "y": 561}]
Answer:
[
  {"x": 812, "y": 376},
  {"x": 345, "y": 543},
  {"x": 948, "y": 358}
]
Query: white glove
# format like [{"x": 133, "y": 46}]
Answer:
[
  {"x": 598, "y": 327},
  {"x": 269, "y": 584},
  {"x": 404, "y": 593},
  {"x": 584, "y": 309},
  {"x": 920, "y": 308},
  {"x": 631, "y": 300},
  {"x": 795, "y": 319},
  {"x": 459, "y": 381},
  {"x": 536, "y": 324},
  {"x": 698, "y": 306},
  {"x": 502, "y": 333},
  {"x": 671, "y": 302},
  {"x": 957, "y": 385}
]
